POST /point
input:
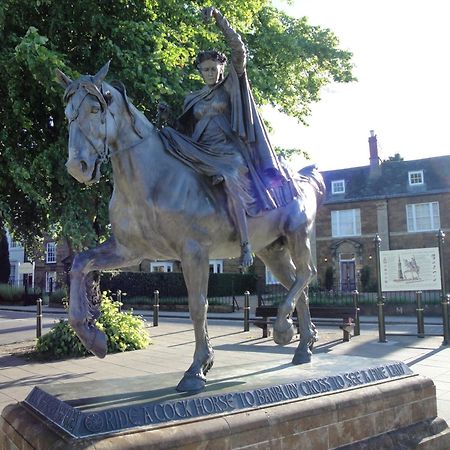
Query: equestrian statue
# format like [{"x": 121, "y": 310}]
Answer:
[{"x": 206, "y": 185}]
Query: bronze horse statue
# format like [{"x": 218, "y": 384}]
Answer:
[{"x": 162, "y": 209}]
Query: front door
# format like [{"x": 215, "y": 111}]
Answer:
[{"x": 348, "y": 279}]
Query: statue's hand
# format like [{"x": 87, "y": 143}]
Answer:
[
  {"x": 164, "y": 111},
  {"x": 209, "y": 13}
]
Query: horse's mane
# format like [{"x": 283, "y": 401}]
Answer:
[
  {"x": 315, "y": 178},
  {"x": 131, "y": 109}
]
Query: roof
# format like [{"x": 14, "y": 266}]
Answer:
[{"x": 392, "y": 180}]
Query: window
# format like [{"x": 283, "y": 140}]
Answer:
[
  {"x": 215, "y": 266},
  {"x": 423, "y": 216},
  {"x": 50, "y": 253},
  {"x": 415, "y": 177},
  {"x": 346, "y": 223},
  {"x": 161, "y": 266},
  {"x": 12, "y": 274},
  {"x": 338, "y": 187},
  {"x": 50, "y": 281}
]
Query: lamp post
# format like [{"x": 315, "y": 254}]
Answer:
[{"x": 380, "y": 304}]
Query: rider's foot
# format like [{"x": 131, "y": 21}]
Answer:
[
  {"x": 217, "y": 179},
  {"x": 246, "y": 255}
]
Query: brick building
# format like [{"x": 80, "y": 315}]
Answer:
[
  {"x": 404, "y": 202},
  {"x": 52, "y": 269}
]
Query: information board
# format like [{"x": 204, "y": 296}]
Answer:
[{"x": 410, "y": 270}]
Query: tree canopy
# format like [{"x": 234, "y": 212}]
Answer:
[
  {"x": 5, "y": 266},
  {"x": 152, "y": 45}
]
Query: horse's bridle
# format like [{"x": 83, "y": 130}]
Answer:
[{"x": 91, "y": 89}]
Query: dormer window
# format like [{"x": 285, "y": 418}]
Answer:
[
  {"x": 338, "y": 187},
  {"x": 415, "y": 178}
]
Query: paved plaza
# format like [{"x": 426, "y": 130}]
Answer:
[{"x": 173, "y": 345}]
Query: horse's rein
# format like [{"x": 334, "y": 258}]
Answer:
[{"x": 92, "y": 89}]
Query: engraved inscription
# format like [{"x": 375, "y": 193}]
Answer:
[{"x": 155, "y": 413}]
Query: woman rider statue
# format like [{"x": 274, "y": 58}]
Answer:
[{"x": 221, "y": 135}]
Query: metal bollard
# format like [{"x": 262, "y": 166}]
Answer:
[
  {"x": 444, "y": 296},
  {"x": 38, "y": 318},
  {"x": 119, "y": 299},
  {"x": 381, "y": 320},
  {"x": 246, "y": 311},
  {"x": 156, "y": 309},
  {"x": 445, "y": 303},
  {"x": 357, "y": 330},
  {"x": 419, "y": 311}
]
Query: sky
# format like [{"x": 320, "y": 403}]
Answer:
[{"x": 401, "y": 56}]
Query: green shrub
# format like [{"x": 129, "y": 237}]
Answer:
[
  {"x": 11, "y": 294},
  {"x": 60, "y": 341},
  {"x": 15, "y": 295},
  {"x": 58, "y": 298},
  {"x": 123, "y": 330},
  {"x": 329, "y": 278},
  {"x": 365, "y": 279}
]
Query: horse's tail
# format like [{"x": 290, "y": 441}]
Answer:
[{"x": 315, "y": 178}]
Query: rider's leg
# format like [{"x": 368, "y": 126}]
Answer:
[{"x": 239, "y": 215}]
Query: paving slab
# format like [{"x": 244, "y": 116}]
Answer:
[{"x": 173, "y": 346}]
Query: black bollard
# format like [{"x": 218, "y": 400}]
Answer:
[
  {"x": 246, "y": 311},
  {"x": 419, "y": 311},
  {"x": 357, "y": 330},
  {"x": 38, "y": 318},
  {"x": 119, "y": 299},
  {"x": 444, "y": 296},
  {"x": 156, "y": 309},
  {"x": 445, "y": 303}
]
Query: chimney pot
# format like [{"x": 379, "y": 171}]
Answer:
[{"x": 373, "y": 150}]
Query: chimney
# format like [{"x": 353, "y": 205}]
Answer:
[{"x": 374, "y": 159}]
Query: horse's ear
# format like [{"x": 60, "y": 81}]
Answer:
[
  {"x": 62, "y": 79},
  {"x": 101, "y": 74}
]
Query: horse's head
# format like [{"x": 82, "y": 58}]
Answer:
[{"x": 86, "y": 112}]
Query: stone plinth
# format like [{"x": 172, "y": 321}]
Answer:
[{"x": 334, "y": 402}]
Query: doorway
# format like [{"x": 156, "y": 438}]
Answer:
[{"x": 348, "y": 275}]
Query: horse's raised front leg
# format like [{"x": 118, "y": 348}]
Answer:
[
  {"x": 106, "y": 256},
  {"x": 196, "y": 273},
  {"x": 277, "y": 258}
]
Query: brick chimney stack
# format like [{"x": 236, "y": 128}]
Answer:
[{"x": 374, "y": 158}]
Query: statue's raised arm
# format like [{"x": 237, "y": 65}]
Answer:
[
  {"x": 221, "y": 135},
  {"x": 237, "y": 46}
]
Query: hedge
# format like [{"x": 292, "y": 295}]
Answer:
[{"x": 171, "y": 284}]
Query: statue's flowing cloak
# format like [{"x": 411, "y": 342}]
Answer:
[{"x": 271, "y": 183}]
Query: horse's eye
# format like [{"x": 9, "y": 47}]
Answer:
[{"x": 95, "y": 109}]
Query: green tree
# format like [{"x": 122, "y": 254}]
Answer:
[
  {"x": 152, "y": 44},
  {"x": 396, "y": 157},
  {"x": 5, "y": 266}
]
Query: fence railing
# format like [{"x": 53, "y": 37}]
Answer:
[{"x": 335, "y": 297}]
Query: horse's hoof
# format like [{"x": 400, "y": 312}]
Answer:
[
  {"x": 283, "y": 331},
  {"x": 191, "y": 383},
  {"x": 100, "y": 345},
  {"x": 301, "y": 358}
]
